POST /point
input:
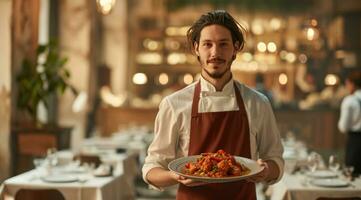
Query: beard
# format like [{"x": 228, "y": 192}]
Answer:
[{"x": 218, "y": 74}]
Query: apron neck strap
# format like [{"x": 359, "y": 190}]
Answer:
[{"x": 197, "y": 91}]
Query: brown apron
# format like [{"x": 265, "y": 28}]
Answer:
[{"x": 227, "y": 130}]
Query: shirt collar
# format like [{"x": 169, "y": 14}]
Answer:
[
  {"x": 206, "y": 86},
  {"x": 358, "y": 92}
]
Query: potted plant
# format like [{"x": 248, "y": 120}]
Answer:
[{"x": 37, "y": 81}]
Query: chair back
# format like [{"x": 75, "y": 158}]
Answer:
[
  {"x": 89, "y": 159},
  {"x": 38, "y": 194}
]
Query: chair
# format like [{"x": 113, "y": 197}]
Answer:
[
  {"x": 89, "y": 159},
  {"x": 339, "y": 198},
  {"x": 38, "y": 194}
]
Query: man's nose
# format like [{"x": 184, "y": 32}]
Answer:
[{"x": 215, "y": 51}]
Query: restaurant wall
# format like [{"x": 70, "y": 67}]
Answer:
[
  {"x": 115, "y": 45},
  {"x": 75, "y": 42},
  {"x": 5, "y": 86}
]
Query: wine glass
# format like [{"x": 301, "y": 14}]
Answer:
[
  {"x": 52, "y": 157},
  {"x": 348, "y": 170},
  {"x": 333, "y": 163},
  {"x": 313, "y": 160},
  {"x": 38, "y": 164}
]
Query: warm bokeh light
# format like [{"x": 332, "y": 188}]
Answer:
[
  {"x": 171, "y": 31},
  {"x": 302, "y": 58},
  {"x": 188, "y": 78},
  {"x": 314, "y": 22},
  {"x": 275, "y": 24},
  {"x": 283, "y": 54},
  {"x": 149, "y": 58},
  {"x": 331, "y": 79},
  {"x": 163, "y": 79},
  {"x": 311, "y": 33},
  {"x": 176, "y": 58},
  {"x": 105, "y": 6},
  {"x": 261, "y": 47},
  {"x": 176, "y": 31},
  {"x": 140, "y": 79},
  {"x": 283, "y": 79},
  {"x": 257, "y": 27},
  {"x": 247, "y": 57},
  {"x": 272, "y": 47},
  {"x": 151, "y": 44},
  {"x": 172, "y": 44},
  {"x": 290, "y": 57}
]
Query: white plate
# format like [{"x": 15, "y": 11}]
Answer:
[
  {"x": 330, "y": 182},
  {"x": 322, "y": 174},
  {"x": 178, "y": 165},
  {"x": 60, "y": 178}
]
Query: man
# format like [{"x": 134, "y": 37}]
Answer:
[
  {"x": 214, "y": 113},
  {"x": 260, "y": 87},
  {"x": 350, "y": 121}
]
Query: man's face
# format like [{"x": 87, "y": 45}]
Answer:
[{"x": 216, "y": 51}]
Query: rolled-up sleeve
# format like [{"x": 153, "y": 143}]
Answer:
[
  {"x": 163, "y": 148},
  {"x": 269, "y": 140}
]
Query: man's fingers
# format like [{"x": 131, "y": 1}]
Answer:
[{"x": 190, "y": 182}]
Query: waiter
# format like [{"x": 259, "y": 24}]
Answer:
[
  {"x": 350, "y": 121},
  {"x": 216, "y": 112}
]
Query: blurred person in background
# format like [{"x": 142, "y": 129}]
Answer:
[
  {"x": 216, "y": 112},
  {"x": 260, "y": 87},
  {"x": 350, "y": 121}
]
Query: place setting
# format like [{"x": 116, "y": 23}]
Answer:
[{"x": 330, "y": 177}]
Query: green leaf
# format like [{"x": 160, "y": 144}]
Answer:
[{"x": 35, "y": 87}]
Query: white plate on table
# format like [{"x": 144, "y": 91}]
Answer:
[
  {"x": 330, "y": 182},
  {"x": 59, "y": 178},
  {"x": 178, "y": 165},
  {"x": 322, "y": 174}
]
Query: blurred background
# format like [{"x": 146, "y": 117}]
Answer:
[{"x": 92, "y": 68}]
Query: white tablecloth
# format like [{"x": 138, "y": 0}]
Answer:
[
  {"x": 297, "y": 187},
  {"x": 118, "y": 186}
]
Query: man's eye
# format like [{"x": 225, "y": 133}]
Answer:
[
  {"x": 224, "y": 44},
  {"x": 207, "y": 44}
]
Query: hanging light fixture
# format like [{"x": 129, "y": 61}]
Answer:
[{"x": 105, "y": 6}]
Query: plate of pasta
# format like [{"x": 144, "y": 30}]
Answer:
[{"x": 219, "y": 167}]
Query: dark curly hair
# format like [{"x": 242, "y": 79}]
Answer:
[{"x": 219, "y": 17}]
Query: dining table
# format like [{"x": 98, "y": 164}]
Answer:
[
  {"x": 300, "y": 186},
  {"x": 300, "y": 182},
  {"x": 79, "y": 183}
]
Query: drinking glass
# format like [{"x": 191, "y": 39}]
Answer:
[
  {"x": 333, "y": 163},
  {"x": 348, "y": 170},
  {"x": 313, "y": 161},
  {"x": 38, "y": 164},
  {"x": 52, "y": 157}
]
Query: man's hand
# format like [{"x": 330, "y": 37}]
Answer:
[
  {"x": 262, "y": 175},
  {"x": 186, "y": 181}
]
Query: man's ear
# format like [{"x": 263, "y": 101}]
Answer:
[
  {"x": 236, "y": 45},
  {"x": 196, "y": 48},
  {"x": 236, "y": 49}
]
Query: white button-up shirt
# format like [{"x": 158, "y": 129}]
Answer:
[
  {"x": 172, "y": 124},
  {"x": 350, "y": 116}
]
